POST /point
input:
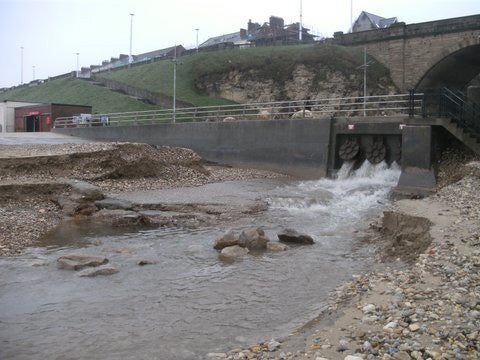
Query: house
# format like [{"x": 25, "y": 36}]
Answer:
[
  {"x": 237, "y": 39},
  {"x": 162, "y": 53},
  {"x": 272, "y": 32},
  {"x": 367, "y": 21}
]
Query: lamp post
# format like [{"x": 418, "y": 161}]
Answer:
[
  {"x": 175, "y": 84},
  {"x": 77, "y": 62},
  {"x": 197, "y": 39},
  {"x": 21, "y": 65},
  {"x": 300, "y": 26},
  {"x": 364, "y": 67},
  {"x": 130, "y": 59},
  {"x": 351, "y": 15}
]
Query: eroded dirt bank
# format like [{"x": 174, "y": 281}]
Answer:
[
  {"x": 428, "y": 308},
  {"x": 36, "y": 182}
]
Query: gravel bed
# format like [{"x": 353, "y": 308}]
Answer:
[
  {"x": 25, "y": 215},
  {"x": 429, "y": 310}
]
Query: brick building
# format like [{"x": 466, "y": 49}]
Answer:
[{"x": 40, "y": 117}]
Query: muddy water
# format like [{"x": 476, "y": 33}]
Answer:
[{"x": 189, "y": 303}]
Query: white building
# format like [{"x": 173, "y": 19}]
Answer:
[
  {"x": 7, "y": 114},
  {"x": 367, "y": 21}
]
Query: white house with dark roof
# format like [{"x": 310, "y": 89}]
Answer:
[
  {"x": 237, "y": 38},
  {"x": 367, "y": 21}
]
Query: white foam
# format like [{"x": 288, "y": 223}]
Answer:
[{"x": 346, "y": 198}]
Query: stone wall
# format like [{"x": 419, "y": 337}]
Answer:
[{"x": 410, "y": 51}]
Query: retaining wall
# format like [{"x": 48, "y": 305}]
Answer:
[{"x": 296, "y": 147}]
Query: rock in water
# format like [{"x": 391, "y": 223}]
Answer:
[
  {"x": 293, "y": 236},
  {"x": 277, "y": 247},
  {"x": 147, "y": 262},
  {"x": 113, "y": 204},
  {"x": 233, "y": 252},
  {"x": 253, "y": 239},
  {"x": 80, "y": 261},
  {"x": 102, "y": 270},
  {"x": 228, "y": 239}
]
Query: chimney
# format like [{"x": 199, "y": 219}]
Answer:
[{"x": 250, "y": 26}]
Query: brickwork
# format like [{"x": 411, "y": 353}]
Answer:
[{"x": 411, "y": 51}]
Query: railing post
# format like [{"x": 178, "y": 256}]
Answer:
[
  {"x": 411, "y": 103},
  {"x": 424, "y": 104}
]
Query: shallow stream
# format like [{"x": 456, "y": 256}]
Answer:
[{"x": 190, "y": 303}]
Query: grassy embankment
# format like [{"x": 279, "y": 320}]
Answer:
[
  {"x": 77, "y": 92},
  {"x": 275, "y": 63}
]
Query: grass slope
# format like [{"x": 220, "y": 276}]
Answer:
[
  {"x": 158, "y": 77},
  {"x": 77, "y": 92},
  {"x": 277, "y": 63}
]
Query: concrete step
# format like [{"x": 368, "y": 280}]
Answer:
[{"x": 467, "y": 137}]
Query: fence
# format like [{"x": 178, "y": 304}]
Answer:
[{"x": 381, "y": 105}]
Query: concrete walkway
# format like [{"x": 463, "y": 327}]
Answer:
[{"x": 18, "y": 138}]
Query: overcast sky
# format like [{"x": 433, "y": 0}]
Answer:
[{"x": 51, "y": 32}]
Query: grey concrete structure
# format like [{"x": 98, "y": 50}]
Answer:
[
  {"x": 297, "y": 147},
  {"x": 418, "y": 175}
]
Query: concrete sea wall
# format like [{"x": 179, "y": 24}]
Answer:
[{"x": 296, "y": 147}]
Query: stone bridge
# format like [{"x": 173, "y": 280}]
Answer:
[{"x": 425, "y": 55}]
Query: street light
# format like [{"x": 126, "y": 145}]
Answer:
[
  {"x": 130, "y": 59},
  {"x": 300, "y": 27},
  {"x": 351, "y": 15},
  {"x": 197, "y": 39},
  {"x": 364, "y": 67},
  {"x": 77, "y": 63},
  {"x": 175, "y": 84},
  {"x": 21, "y": 65}
]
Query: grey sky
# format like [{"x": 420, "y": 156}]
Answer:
[{"x": 52, "y": 31}]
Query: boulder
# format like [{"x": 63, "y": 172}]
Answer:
[
  {"x": 113, "y": 204},
  {"x": 147, "y": 262},
  {"x": 227, "y": 239},
  {"x": 277, "y": 247},
  {"x": 293, "y": 236},
  {"x": 233, "y": 252},
  {"x": 102, "y": 270},
  {"x": 121, "y": 218},
  {"x": 86, "y": 190},
  {"x": 302, "y": 114},
  {"x": 80, "y": 261},
  {"x": 264, "y": 115},
  {"x": 253, "y": 239}
]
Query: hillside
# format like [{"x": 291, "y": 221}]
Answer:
[
  {"x": 77, "y": 92},
  {"x": 223, "y": 77},
  {"x": 261, "y": 74}
]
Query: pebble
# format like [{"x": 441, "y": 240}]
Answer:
[{"x": 26, "y": 218}]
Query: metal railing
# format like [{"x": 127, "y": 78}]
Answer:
[
  {"x": 452, "y": 104},
  {"x": 379, "y": 105}
]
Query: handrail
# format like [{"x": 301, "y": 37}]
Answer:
[
  {"x": 375, "y": 105},
  {"x": 452, "y": 104}
]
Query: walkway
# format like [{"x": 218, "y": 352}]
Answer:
[{"x": 19, "y": 138}]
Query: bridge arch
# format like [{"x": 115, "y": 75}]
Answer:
[
  {"x": 431, "y": 54},
  {"x": 453, "y": 69}
]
